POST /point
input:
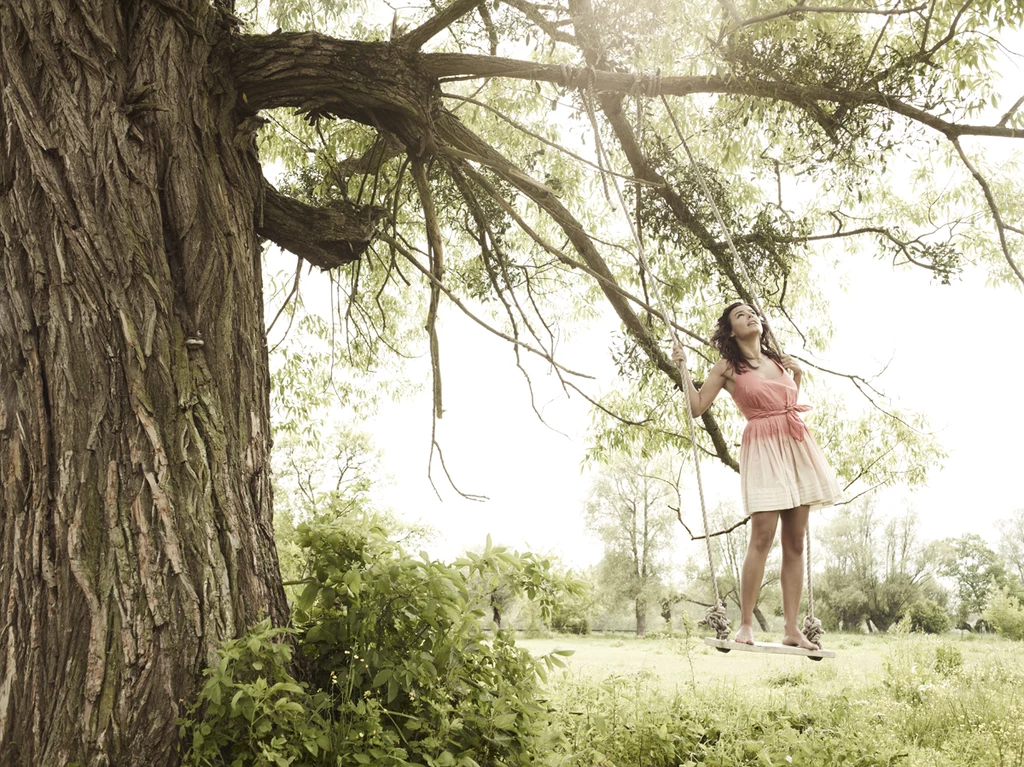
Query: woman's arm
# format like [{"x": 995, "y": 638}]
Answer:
[{"x": 701, "y": 400}]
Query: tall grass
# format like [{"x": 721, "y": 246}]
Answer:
[{"x": 905, "y": 699}]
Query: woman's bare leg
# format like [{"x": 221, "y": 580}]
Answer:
[
  {"x": 794, "y": 527},
  {"x": 762, "y": 535}
]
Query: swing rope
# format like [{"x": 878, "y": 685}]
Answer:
[
  {"x": 812, "y": 628},
  {"x": 715, "y": 616}
]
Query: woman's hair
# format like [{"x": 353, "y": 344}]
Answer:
[{"x": 723, "y": 340}]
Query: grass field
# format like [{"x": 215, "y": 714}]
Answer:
[{"x": 884, "y": 700}]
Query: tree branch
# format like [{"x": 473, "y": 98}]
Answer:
[
  {"x": 457, "y": 135},
  {"x": 436, "y": 252},
  {"x": 470, "y": 66},
  {"x": 531, "y": 12},
  {"x": 326, "y": 237},
  {"x": 993, "y": 207},
  {"x": 693, "y": 537},
  {"x": 415, "y": 39}
]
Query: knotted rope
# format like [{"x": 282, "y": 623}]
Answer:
[{"x": 715, "y": 618}]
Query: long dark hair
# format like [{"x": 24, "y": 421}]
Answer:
[{"x": 723, "y": 340}]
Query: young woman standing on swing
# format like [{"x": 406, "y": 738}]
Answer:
[{"x": 782, "y": 470}]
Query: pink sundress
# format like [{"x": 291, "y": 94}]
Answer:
[{"x": 781, "y": 466}]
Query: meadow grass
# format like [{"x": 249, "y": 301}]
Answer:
[{"x": 891, "y": 699}]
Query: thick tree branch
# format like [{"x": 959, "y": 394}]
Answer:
[
  {"x": 377, "y": 84},
  {"x": 383, "y": 84},
  {"x": 326, "y": 237},
  {"x": 453, "y": 132},
  {"x": 415, "y": 39},
  {"x": 469, "y": 66}
]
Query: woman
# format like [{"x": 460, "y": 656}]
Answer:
[{"x": 782, "y": 470}]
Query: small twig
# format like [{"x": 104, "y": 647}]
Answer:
[
  {"x": 693, "y": 537},
  {"x": 288, "y": 298},
  {"x": 436, "y": 446},
  {"x": 992, "y": 205},
  {"x": 465, "y": 310},
  {"x": 554, "y": 145}
]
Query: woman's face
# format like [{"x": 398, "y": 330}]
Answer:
[{"x": 744, "y": 321}]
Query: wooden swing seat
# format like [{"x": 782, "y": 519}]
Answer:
[{"x": 725, "y": 645}]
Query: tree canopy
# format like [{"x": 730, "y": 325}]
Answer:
[{"x": 486, "y": 161}]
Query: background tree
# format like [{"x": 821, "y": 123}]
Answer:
[
  {"x": 875, "y": 569},
  {"x": 136, "y": 522},
  {"x": 975, "y": 570},
  {"x": 1011, "y": 548},
  {"x": 628, "y": 507}
]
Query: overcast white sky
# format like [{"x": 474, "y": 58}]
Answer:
[
  {"x": 954, "y": 350},
  {"x": 952, "y": 355}
]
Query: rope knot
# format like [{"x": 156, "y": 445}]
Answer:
[
  {"x": 813, "y": 630},
  {"x": 715, "y": 618}
]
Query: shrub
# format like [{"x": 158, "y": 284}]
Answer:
[
  {"x": 1006, "y": 614},
  {"x": 949, "y": 659},
  {"x": 396, "y": 669},
  {"x": 252, "y": 711},
  {"x": 929, "y": 617},
  {"x": 570, "y": 622}
]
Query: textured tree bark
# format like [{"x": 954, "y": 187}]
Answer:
[
  {"x": 641, "y": 616},
  {"x": 135, "y": 514},
  {"x": 759, "y": 617}
]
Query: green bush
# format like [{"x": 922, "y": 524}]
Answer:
[
  {"x": 397, "y": 668},
  {"x": 949, "y": 659},
  {"x": 570, "y": 623},
  {"x": 929, "y": 617},
  {"x": 251, "y": 710},
  {"x": 1006, "y": 614}
]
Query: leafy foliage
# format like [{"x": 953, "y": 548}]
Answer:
[
  {"x": 393, "y": 666},
  {"x": 874, "y": 571},
  {"x": 929, "y": 616},
  {"x": 975, "y": 570},
  {"x": 1006, "y": 614}
]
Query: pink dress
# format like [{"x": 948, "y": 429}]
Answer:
[{"x": 781, "y": 466}]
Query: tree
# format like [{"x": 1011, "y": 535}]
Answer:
[
  {"x": 874, "y": 572},
  {"x": 1011, "y": 546},
  {"x": 136, "y": 518},
  {"x": 975, "y": 570},
  {"x": 628, "y": 508}
]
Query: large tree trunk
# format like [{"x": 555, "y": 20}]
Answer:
[
  {"x": 135, "y": 515},
  {"x": 641, "y": 615}
]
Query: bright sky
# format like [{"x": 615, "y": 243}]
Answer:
[
  {"x": 950, "y": 358},
  {"x": 954, "y": 355}
]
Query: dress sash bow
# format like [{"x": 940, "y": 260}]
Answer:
[{"x": 797, "y": 429}]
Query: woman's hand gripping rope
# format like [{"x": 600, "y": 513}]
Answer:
[{"x": 678, "y": 354}]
